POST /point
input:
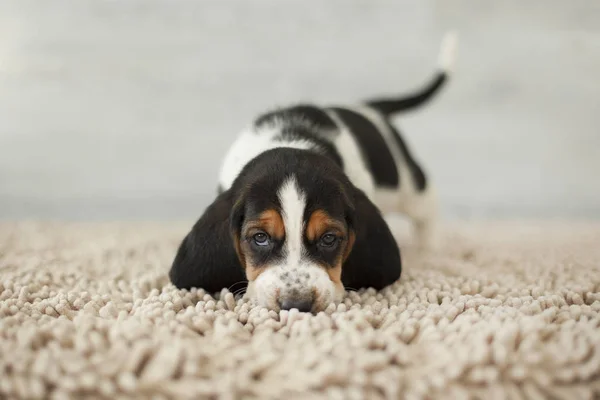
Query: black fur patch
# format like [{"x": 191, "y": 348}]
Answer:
[
  {"x": 320, "y": 126},
  {"x": 303, "y": 134},
  {"x": 375, "y": 259},
  {"x": 391, "y": 105},
  {"x": 206, "y": 257},
  {"x": 375, "y": 150},
  {"x": 417, "y": 174}
]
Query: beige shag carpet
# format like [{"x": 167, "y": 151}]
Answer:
[{"x": 500, "y": 310}]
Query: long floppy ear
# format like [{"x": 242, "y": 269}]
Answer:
[
  {"x": 374, "y": 259},
  {"x": 207, "y": 257}
]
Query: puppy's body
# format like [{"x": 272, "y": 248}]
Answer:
[
  {"x": 361, "y": 140},
  {"x": 301, "y": 193}
]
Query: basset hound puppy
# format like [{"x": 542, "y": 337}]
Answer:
[{"x": 298, "y": 218}]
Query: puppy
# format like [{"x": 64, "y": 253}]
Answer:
[{"x": 301, "y": 194}]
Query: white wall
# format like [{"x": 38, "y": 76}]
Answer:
[{"x": 122, "y": 109}]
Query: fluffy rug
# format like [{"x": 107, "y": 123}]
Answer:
[{"x": 500, "y": 310}]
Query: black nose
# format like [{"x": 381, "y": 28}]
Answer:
[{"x": 300, "y": 305}]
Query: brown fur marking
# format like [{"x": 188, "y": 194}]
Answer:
[
  {"x": 319, "y": 223},
  {"x": 238, "y": 249},
  {"x": 348, "y": 249},
  {"x": 253, "y": 272},
  {"x": 269, "y": 221}
]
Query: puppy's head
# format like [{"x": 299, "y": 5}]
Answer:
[
  {"x": 292, "y": 239},
  {"x": 294, "y": 227}
]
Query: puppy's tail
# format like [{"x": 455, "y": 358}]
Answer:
[{"x": 389, "y": 106}]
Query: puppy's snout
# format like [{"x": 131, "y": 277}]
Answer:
[{"x": 299, "y": 304}]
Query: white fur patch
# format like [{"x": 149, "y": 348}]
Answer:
[
  {"x": 248, "y": 145},
  {"x": 293, "y": 203},
  {"x": 447, "y": 55}
]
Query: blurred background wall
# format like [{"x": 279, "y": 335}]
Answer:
[{"x": 123, "y": 109}]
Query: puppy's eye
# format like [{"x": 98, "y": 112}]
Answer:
[
  {"x": 328, "y": 240},
  {"x": 261, "y": 239}
]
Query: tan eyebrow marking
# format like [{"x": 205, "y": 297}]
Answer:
[
  {"x": 319, "y": 223},
  {"x": 269, "y": 221}
]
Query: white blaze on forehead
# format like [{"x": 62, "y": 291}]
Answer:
[{"x": 293, "y": 202}]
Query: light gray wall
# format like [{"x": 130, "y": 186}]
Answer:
[{"x": 123, "y": 109}]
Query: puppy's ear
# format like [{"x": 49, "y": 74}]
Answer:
[
  {"x": 374, "y": 257},
  {"x": 207, "y": 257}
]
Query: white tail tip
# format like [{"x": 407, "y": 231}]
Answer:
[{"x": 447, "y": 55}]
